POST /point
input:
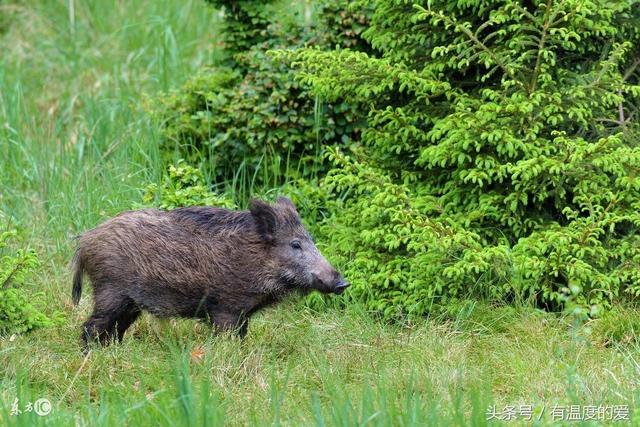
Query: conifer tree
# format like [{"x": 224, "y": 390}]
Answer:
[{"x": 501, "y": 154}]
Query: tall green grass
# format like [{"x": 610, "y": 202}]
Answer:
[{"x": 74, "y": 141}]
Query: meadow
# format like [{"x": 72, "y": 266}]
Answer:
[{"x": 76, "y": 147}]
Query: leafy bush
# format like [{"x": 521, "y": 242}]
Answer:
[
  {"x": 260, "y": 25},
  {"x": 252, "y": 114},
  {"x": 246, "y": 23},
  {"x": 17, "y": 313},
  {"x": 183, "y": 185},
  {"x": 501, "y": 153}
]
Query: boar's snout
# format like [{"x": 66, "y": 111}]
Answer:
[
  {"x": 340, "y": 286},
  {"x": 330, "y": 282}
]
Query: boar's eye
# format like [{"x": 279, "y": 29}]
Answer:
[{"x": 296, "y": 244}]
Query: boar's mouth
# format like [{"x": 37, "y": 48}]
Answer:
[
  {"x": 293, "y": 283},
  {"x": 340, "y": 286}
]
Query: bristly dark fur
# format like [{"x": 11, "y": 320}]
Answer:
[
  {"x": 213, "y": 219},
  {"x": 200, "y": 262}
]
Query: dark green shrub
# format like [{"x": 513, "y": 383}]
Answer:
[
  {"x": 259, "y": 25},
  {"x": 183, "y": 185},
  {"x": 501, "y": 153},
  {"x": 246, "y": 23},
  {"x": 17, "y": 313},
  {"x": 253, "y": 115}
]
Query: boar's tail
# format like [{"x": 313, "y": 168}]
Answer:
[{"x": 78, "y": 267}]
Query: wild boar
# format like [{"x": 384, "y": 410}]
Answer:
[{"x": 201, "y": 262}]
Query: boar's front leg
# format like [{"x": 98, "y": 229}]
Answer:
[
  {"x": 224, "y": 321},
  {"x": 230, "y": 322}
]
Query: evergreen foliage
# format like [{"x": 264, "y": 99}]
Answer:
[
  {"x": 246, "y": 23},
  {"x": 501, "y": 153},
  {"x": 252, "y": 112},
  {"x": 17, "y": 314},
  {"x": 183, "y": 185}
]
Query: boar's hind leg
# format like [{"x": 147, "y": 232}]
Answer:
[
  {"x": 111, "y": 317},
  {"x": 126, "y": 319}
]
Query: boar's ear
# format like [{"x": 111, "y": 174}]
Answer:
[{"x": 265, "y": 217}]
